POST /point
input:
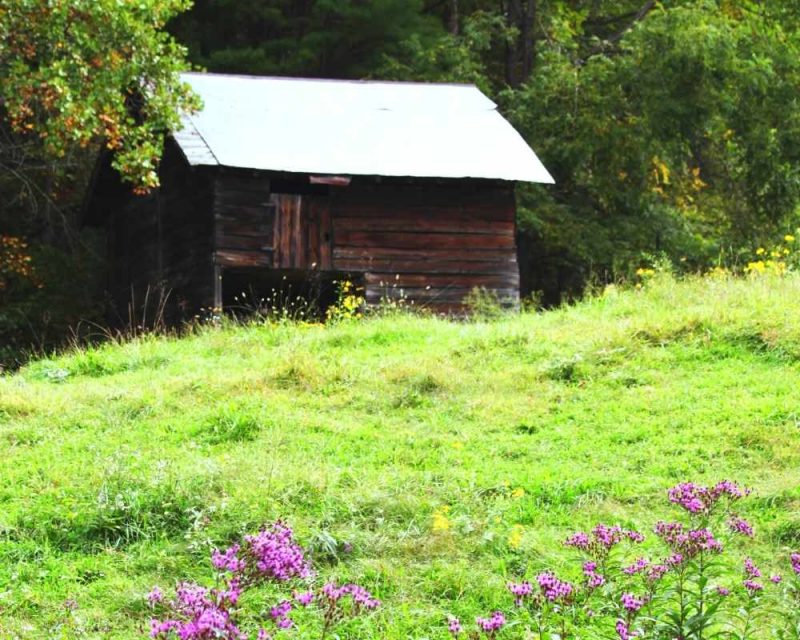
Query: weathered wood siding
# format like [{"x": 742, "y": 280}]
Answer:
[
  {"x": 161, "y": 244},
  {"x": 429, "y": 242},
  {"x": 434, "y": 242},
  {"x": 257, "y": 228},
  {"x": 186, "y": 231},
  {"x": 244, "y": 221},
  {"x": 302, "y": 232}
]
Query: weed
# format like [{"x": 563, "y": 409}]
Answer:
[{"x": 230, "y": 424}]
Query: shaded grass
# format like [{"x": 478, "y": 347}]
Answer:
[{"x": 123, "y": 465}]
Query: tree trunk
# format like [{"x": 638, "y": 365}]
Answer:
[
  {"x": 527, "y": 35},
  {"x": 521, "y": 51},
  {"x": 453, "y": 17},
  {"x": 513, "y": 14}
]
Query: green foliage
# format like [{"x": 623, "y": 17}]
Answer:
[
  {"x": 77, "y": 75},
  {"x": 58, "y": 300},
  {"x": 328, "y": 38},
  {"x": 78, "y": 71},
  {"x": 672, "y": 130}
]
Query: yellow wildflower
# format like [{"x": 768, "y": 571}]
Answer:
[
  {"x": 788, "y": 237},
  {"x": 719, "y": 272},
  {"x": 515, "y": 536},
  {"x": 441, "y": 522},
  {"x": 756, "y": 267},
  {"x": 760, "y": 251},
  {"x": 518, "y": 492}
]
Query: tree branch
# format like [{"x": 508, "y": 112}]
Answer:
[
  {"x": 640, "y": 15},
  {"x": 616, "y": 37}
]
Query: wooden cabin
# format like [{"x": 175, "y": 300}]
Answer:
[{"x": 406, "y": 188}]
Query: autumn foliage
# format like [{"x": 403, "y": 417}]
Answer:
[{"x": 78, "y": 72}]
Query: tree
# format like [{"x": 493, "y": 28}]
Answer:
[
  {"x": 77, "y": 72},
  {"x": 75, "y": 75},
  {"x": 320, "y": 38},
  {"x": 671, "y": 128}
]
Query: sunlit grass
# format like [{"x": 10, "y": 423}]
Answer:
[{"x": 452, "y": 455}]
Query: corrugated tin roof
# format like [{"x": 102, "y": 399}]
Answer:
[{"x": 353, "y": 128}]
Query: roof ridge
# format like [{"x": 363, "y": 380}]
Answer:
[{"x": 365, "y": 81}]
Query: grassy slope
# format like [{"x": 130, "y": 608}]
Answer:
[{"x": 121, "y": 465}]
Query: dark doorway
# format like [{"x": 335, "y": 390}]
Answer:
[{"x": 278, "y": 293}]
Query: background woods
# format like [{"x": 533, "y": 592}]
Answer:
[{"x": 672, "y": 128}]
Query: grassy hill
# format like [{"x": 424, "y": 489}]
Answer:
[{"x": 427, "y": 459}]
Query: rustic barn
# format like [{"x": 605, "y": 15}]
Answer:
[{"x": 404, "y": 187}]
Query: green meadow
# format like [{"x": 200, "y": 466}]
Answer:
[{"x": 428, "y": 459}]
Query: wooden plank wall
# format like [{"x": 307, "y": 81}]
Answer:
[
  {"x": 160, "y": 244},
  {"x": 133, "y": 256},
  {"x": 244, "y": 220},
  {"x": 186, "y": 226},
  {"x": 302, "y": 232},
  {"x": 435, "y": 242}
]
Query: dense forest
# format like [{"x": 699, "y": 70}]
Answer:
[{"x": 672, "y": 128}]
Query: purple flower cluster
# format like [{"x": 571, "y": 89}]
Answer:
[
  {"x": 740, "y": 525},
  {"x": 362, "y": 599},
  {"x": 554, "y": 589},
  {"x": 624, "y": 631},
  {"x": 675, "y": 560},
  {"x": 752, "y": 586},
  {"x": 750, "y": 569},
  {"x": 631, "y": 603},
  {"x": 652, "y": 572},
  {"x": 454, "y": 626},
  {"x": 593, "y": 579},
  {"x": 156, "y": 596},
  {"x": 492, "y": 624},
  {"x": 272, "y": 555},
  {"x": 697, "y": 499},
  {"x": 276, "y": 555},
  {"x": 520, "y": 590},
  {"x": 686, "y": 544},
  {"x": 200, "y": 614},
  {"x": 227, "y": 560},
  {"x": 637, "y": 567},
  {"x": 280, "y": 614},
  {"x": 304, "y": 598},
  {"x": 656, "y": 572},
  {"x": 602, "y": 539},
  {"x": 579, "y": 540}
]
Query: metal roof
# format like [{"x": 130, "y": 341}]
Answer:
[{"x": 353, "y": 128}]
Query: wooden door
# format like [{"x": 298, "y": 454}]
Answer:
[{"x": 302, "y": 238}]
